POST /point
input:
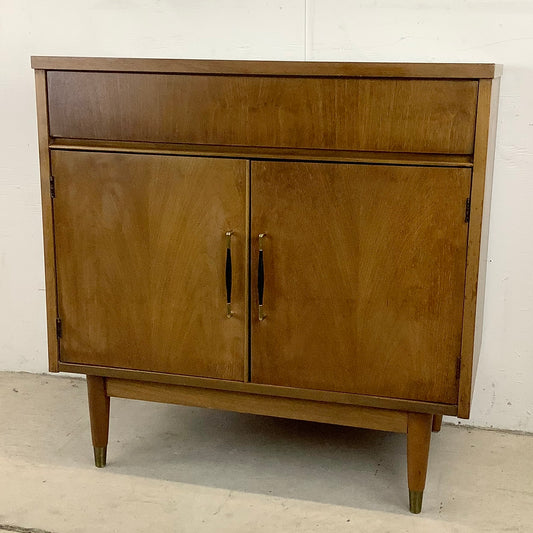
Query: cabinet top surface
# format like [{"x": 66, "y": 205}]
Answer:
[{"x": 270, "y": 68}]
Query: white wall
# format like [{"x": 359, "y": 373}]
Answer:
[{"x": 371, "y": 30}]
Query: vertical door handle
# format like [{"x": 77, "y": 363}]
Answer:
[
  {"x": 261, "y": 277},
  {"x": 228, "y": 274}
]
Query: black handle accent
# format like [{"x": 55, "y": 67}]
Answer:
[
  {"x": 228, "y": 275},
  {"x": 261, "y": 278}
]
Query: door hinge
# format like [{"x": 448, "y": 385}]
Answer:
[
  {"x": 52, "y": 187},
  {"x": 458, "y": 368},
  {"x": 59, "y": 328},
  {"x": 467, "y": 210}
]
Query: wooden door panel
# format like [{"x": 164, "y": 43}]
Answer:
[
  {"x": 140, "y": 246},
  {"x": 364, "y": 277}
]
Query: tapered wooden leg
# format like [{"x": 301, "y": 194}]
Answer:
[
  {"x": 418, "y": 438},
  {"x": 99, "y": 414},
  {"x": 437, "y": 423}
]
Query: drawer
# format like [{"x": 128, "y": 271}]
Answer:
[{"x": 370, "y": 114}]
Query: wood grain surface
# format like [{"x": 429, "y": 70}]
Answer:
[
  {"x": 436, "y": 424},
  {"x": 270, "y": 68},
  {"x": 418, "y": 441},
  {"x": 141, "y": 253},
  {"x": 250, "y": 152},
  {"x": 332, "y": 413},
  {"x": 48, "y": 220},
  {"x": 487, "y": 117},
  {"x": 364, "y": 278},
  {"x": 397, "y": 404},
  {"x": 98, "y": 410},
  {"x": 286, "y": 112}
]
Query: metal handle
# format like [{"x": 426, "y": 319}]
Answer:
[
  {"x": 261, "y": 277},
  {"x": 228, "y": 274}
]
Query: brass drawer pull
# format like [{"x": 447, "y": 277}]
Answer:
[
  {"x": 229, "y": 312},
  {"x": 261, "y": 277}
]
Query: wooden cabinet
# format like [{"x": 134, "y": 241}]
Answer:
[{"x": 303, "y": 240}]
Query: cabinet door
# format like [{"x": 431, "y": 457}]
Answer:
[
  {"x": 364, "y": 269},
  {"x": 140, "y": 254}
]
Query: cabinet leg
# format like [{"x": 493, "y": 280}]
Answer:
[
  {"x": 418, "y": 438},
  {"x": 437, "y": 423},
  {"x": 99, "y": 414}
]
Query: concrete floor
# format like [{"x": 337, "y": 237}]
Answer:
[{"x": 182, "y": 469}]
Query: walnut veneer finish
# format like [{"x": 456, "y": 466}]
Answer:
[
  {"x": 371, "y": 185},
  {"x": 372, "y": 325},
  {"x": 391, "y": 115},
  {"x": 125, "y": 309}
]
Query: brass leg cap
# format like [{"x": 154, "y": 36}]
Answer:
[
  {"x": 415, "y": 501},
  {"x": 100, "y": 453}
]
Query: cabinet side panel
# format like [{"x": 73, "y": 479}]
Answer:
[
  {"x": 48, "y": 220},
  {"x": 476, "y": 267}
]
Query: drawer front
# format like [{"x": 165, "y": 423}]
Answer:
[{"x": 391, "y": 115}]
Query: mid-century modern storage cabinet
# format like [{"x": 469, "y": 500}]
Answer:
[{"x": 296, "y": 239}]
